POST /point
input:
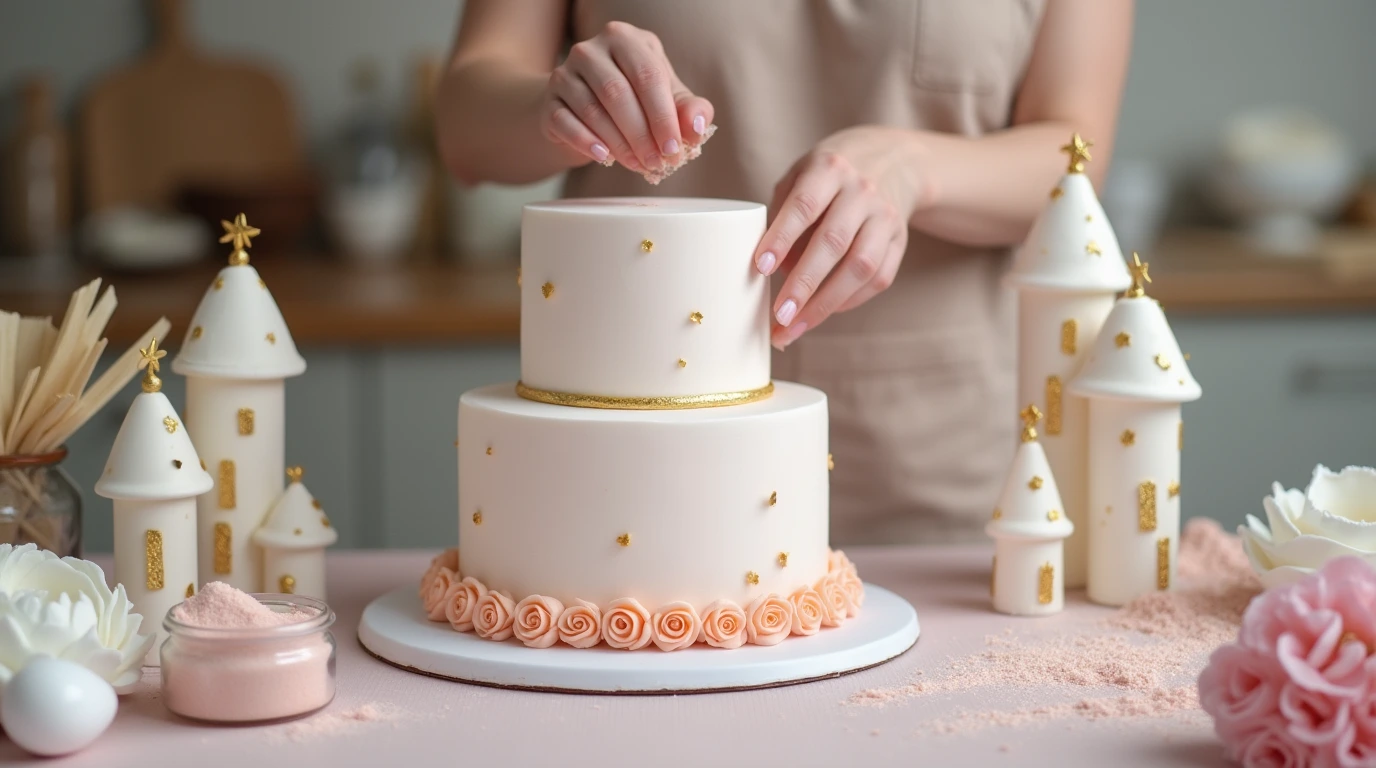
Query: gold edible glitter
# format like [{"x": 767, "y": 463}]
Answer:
[
  {"x": 219, "y": 283},
  {"x": 1035, "y": 483},
  {"x": 1163, "y": 563},
  {"x": 489, "y": 450},
  {"x": 783, "y": 559},
  {"x": 752, "y": 578},
  {"x": 196, "y": 332},
  {"x": 1053, "y": 405},
  {"x": 1173, "y": 489},
  {"x": 478, "y": 517},
  {"x": 190, "y": 590},
  {"x": 1053, "y": 515},
  {"x": 1056, "y": 193},
  {"x": 170, "y": 423},
  {"x": 682, "y": 363},
  {"x": 271, "y": 337},
  {"x": 1122, "y": 339},
  {"x": 773, "y": 498},
  {"x": 1046, "y": 583},
  {"x": 998, "y": 513},
  {"x": 831, "y": 463},
  {"x": 176, "y": 463},
  {"x": 1092, "y": 248},
  {"x": 245, "y": 421},
  {"x": 1128, "y": 437},
  {"x": 227, "y": 494},
  {"x": 287, "y": 584},
  {"x": 647, "y": 245},
  {"x": 696, "y": 317},
  {"x": 547, "y": 290},
  {"x": 224, "y": 554},
  {"x": 152, "y": 560},
  {"x": 624, "y": 539},
  {"x": 1163, "y": 363},
  {"x": 1068, "y": 329},
  {"x": 1146, "y": 506}
]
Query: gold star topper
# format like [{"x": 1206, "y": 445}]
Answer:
[
  {"x": 1030, "y": 416},
  {"x": 1140, "y": 278},
  {"x": 295, "y": 474},
  {"x": 1078, "y": 150},
  {"x": 240, "y": 233},
  {"x": 148, "y": 360}
]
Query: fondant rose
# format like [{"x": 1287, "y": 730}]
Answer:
[
  {"x": 1334, "y": 517},
  {"x": 433, "y": 598},
  {"x": 580, "y": 625},
  {"x": 626, "y": 625},
  {"x": 808, "y": 611},
  {"x": 492, "y": 617},
  {"x": 835, "y": 599},
  {"x": 449, "y": 558},
  {"x": 853, "y": 586},
  {"x": 723, "y": 625},
  {"x": 768, "y": 620},
  {"x": 837, "y": 561},
  {"x": 461, "y": 602},
  {"x": 676, "y": 626},
  {"x": 536, "y": 619}
]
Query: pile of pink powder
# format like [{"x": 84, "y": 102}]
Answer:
[
  {"x": 1148, "y": 652},
  {"x": 220, "y": 606}
]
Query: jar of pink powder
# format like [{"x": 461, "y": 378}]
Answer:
[{"x": 232, "y": 657}]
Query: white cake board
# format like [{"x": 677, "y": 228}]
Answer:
[{"x": 395, "y": 630}]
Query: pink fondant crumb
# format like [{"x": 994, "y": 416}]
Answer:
[
  {"x": 337, "y": 723},
  {"x": 688, "y": 155},
  {"x": 220, "y": 606}
]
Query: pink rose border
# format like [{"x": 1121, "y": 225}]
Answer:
[{"x": 541, "y": 622}]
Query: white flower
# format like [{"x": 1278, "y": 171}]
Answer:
[
  {"x": 61, "y": 607},
  {"x": 1334, "y": 517}
]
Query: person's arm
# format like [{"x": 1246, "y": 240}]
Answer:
[
  {"x": 841, "y": 215},
  {"x": 509, "y": 111}
]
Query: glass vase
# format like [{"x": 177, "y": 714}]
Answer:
[{"x": 39, "y": 503}]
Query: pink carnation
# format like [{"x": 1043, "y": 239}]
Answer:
[{"x": 1298, "y": 686}]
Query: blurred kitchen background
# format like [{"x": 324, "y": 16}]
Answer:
[{"x": 1243, "y": 172}]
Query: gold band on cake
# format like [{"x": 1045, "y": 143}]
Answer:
[{"x": 663, "y": 403}]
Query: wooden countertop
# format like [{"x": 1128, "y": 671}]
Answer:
[{"x": 328, "y": 302}]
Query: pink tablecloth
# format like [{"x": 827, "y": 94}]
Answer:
[{"x": 435, "y": 722}]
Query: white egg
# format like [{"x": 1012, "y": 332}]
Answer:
[{"x": 54, "y": 707}]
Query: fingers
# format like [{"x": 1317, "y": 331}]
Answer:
[
  {"x": 618, "y": 98},
  {"x": 831, "y": 242},
  {"x": 893, "y": 259},
  {"x": 805, "y": 202},
  {"x": 652, "y": 80},
  {"x": 694, "y": 114},
  {"x": 561, "y": 127},
  {"x": 583, "y": 106},
  {"x": 861, "y": 263}
]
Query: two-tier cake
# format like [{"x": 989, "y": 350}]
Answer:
[{"x": 645, "y": 482}]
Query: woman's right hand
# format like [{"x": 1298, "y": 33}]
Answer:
[{"x": 616, "y": 97}]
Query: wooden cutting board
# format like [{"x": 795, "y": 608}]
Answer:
[{"x": 179, "y": 116}]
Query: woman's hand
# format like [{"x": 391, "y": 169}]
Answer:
[
  {"x": 617, "y": 97},
  {"x": 840, "y": 226}
]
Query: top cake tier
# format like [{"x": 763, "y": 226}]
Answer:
[{"x": 643, "y": 302}]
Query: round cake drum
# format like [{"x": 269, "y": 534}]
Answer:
[{"x": 394, "y": 629}]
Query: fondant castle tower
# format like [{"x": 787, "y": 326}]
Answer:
[
  {"x": 236, "y": 356},
  {"x": 293, "y": 538}
]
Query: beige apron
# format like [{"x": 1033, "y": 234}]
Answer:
[{"x": 920, "y": 379}]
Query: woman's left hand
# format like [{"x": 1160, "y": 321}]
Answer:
[{"x": 840, "y": 226}]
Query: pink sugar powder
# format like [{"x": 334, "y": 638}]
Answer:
[
  {"x": 689, "y": 154},
  {"x": 220, "y": 606},
  {"x": 330, "y": 724}
]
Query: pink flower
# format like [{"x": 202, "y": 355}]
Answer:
[
  {"x": 837, "y": 561},
  {"x": 676, "y": 626},
  {"x": 808, "y": 611},
  {"x": 768, "y": 620},
  {"x": 835, "y": 599},
  {"x": 723, "y": 625},
  {"x": 433, "y": 597},
  {"x": 460, "y": 603},
  {"x": 853, "y": 587},
  {"x": 580, "y": 625},
  {"x": 1272, "y": 747},
  {"x": 535, "y": 621},
  {"x": 492, "y": 617},
  {"x": 1240, "y": 688},
  {"x": 626, "y": 625},
  {"x": 449, "y": 558}
]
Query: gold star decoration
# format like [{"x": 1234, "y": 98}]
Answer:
[
  {"x": 773, "y": 498},
  {"x": 547, "y": 290},
  {"x": 1140, "y": 278},
  {"x": 489, "y": 450},
  {"x": 294, "y": 474},
  {"x": 752, "y": 578},
  {"x": 148, "y": 360},
  {"x": 1078, "y": 150},
  {"x": 218, "y": 284},
  {"x": 1123, "y": 339},
  {"x": 1035, "y": 483},
  {"x": 1163, "y": 363},
  {"x": 196, "y": 332},
  {"x": 1088, "y": 218},
  {"x": 1030, "y": 416},
  {"x": 271, "y": 337},
  {"x": 170, "y": 423},
  {"x": 647, "y": 245},
  {"x": 1092, "y": 248},
  {"x": 998, "y": 513},
  {"x": 1173, "y": 489},
  {"x": 241, "y": 234},
  {"x": 1056, "y": 193},
  {"x": 696, "y": 317},
  {"x": 1128, "y": 437},
  {"x": 624, "y": 539},
  {"x": 682, "y": 363},
  {"x": 325, "y": 521},
  {"x": 783, "y": 559},
  {"x": 478, "y": 517},
  {"x": 1053, "y": 515},
  {"x": 316, "y": 503}
]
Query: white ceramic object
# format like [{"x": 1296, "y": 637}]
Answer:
[
  {"x": 134, "y": 239},
  {"x": 1334, "y": 517},
  {"x": 54, "y": 707},
  {"x": 376, "y": 224},
  {"x": 485, "y": 219},
  {"x": 1028, "y": 530},
  {"x": 394, "y": 628},
  {"x": 637, "y": 285},
  {"x": 691, "y": 488},
  {"x": 293, "y": 539}
]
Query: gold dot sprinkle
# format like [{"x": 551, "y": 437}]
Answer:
[
  {"x": 1187, "y": 357},
  {"x": 682, "y": 363},
  {"x": 773, "y": 498},
  {"x": 1128, "y": 437},
  {"x": 190, "y": 590},
  {"x": 831, "y": 463},
  {"x": 1053, "y": 515},
  {"x": 647, "y": 245},
  {"x": 696, "y": 317},
  {"x": 1108, "y": 510},
  {"x": 325, "y": 521},
  {"x": 170, "y": 423},
  {"x": 1092, "y": 248},
  {"x": 752, "y": 578},
  {"x": 478, "y": 517},
  {"x": 489, "y": 450},
  {"x": 1088, "y": 218},
  {"x": 1056, "y": 193},
  {"x": 219, "y": 283},
  {"x": 624, "y": 539},
  {"x": 271, "y": 337},
  {"x": 1173, "y": 489},
  {"x": 196, "y": 332},
  {"x": 202, "y": 464},
  {"x": 1035, "y": 483},
  {"x": 1163, "y": 363},
  {"x": 176, "y": 463},
  {"x": 1123, "y": 339},
  {"x": 783, "y": 559},
  {"x": 262, "y": 284},
  {"x": 316, "y": 503},
  {"x": 296, "y": 532},
  {"x": 547, "y": 290},
  {"x": 998, "y": 513},
  {"x": 286, "y": 585}
]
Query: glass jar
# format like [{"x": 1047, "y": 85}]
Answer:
[
  {"x": 251, "y": 675},
  {"x": 39, "y": 503}
]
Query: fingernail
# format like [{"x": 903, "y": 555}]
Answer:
[
  {"x": 599, "y": 153},
  {"x": 700, "y": 125},
  {"x": 765, "y": 262},
  {"x": 790, "y": 335},
  {"x": 671, "y": 147},
  {"x": 654, "y": 161},
  {"x": 786, "y": 312}
]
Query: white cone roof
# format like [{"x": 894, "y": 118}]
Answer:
[
  {"x": 1025, "y": 511},
  {"x": 295, "y": 522},
  {"x": 153, "y": 459},
  {"x": 1148, "y": 366},
  {"x": 1058, "y": 254},
  {"x": 238, "y": 332}
]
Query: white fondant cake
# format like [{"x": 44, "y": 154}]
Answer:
[{"x": 687, "y": 500}]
